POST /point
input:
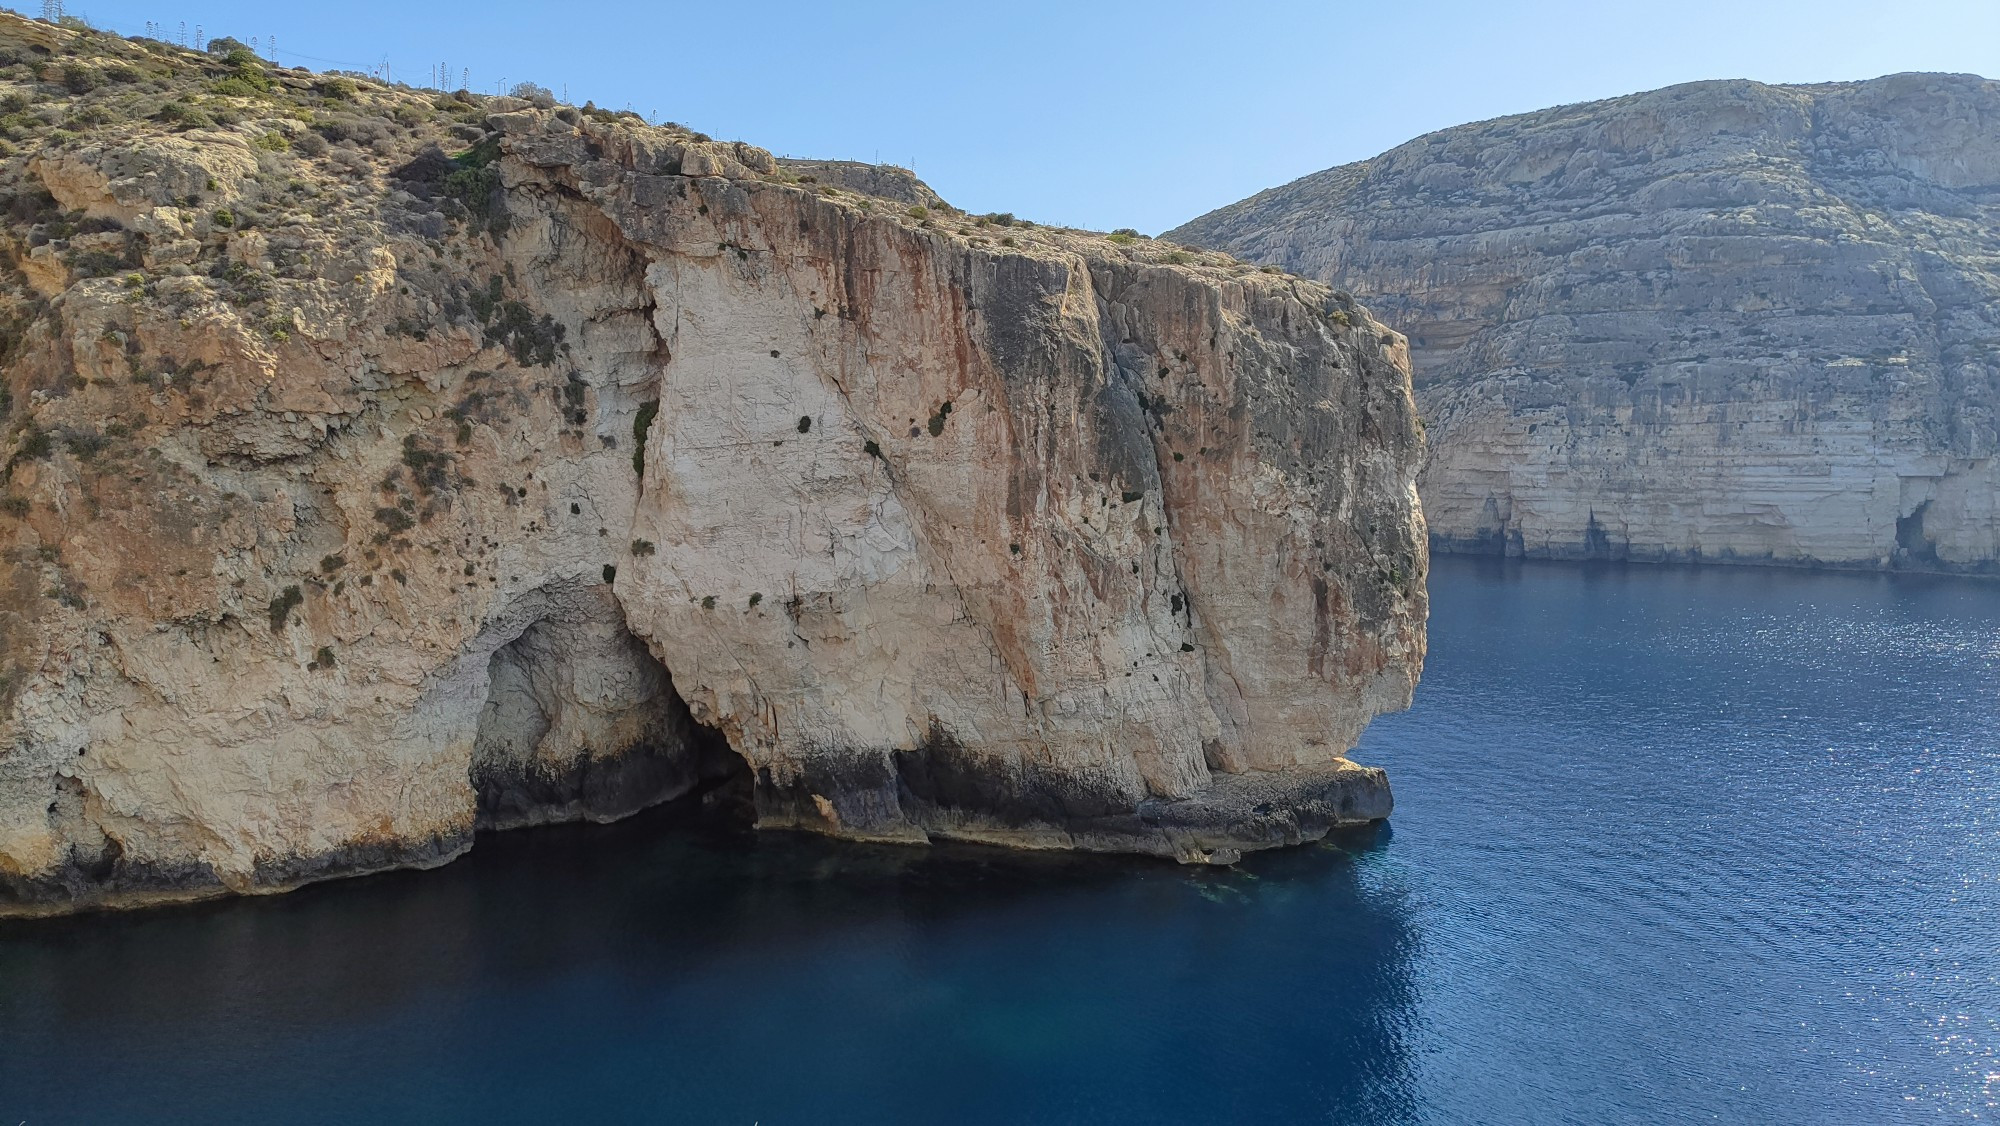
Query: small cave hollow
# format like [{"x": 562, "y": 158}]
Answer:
[
  {"x": 582, "y": 723},
  {"x": 1911, "y": 538}
]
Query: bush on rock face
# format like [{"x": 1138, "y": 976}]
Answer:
[
  {"x": 80, "y": 79},
  {"x": 282, "y": 606},
  {"x": 184, "y": 115},
  {"x": 474, "y": 183},
  {"x": 541, "y": 96},
  {"x": 246, "y": 77}
]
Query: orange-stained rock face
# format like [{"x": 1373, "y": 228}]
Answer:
[{"x": 565, "y": 478}]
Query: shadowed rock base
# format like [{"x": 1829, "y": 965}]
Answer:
[
  {"x": 99, "y": 882},
  {"x": 1239, "y": 813},
  {"x": 1512, "y": 546}
]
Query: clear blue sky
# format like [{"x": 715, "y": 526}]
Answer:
[{"x": 1098, "y": 114}]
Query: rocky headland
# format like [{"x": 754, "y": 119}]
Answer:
[
  {"x": 382, "y": 465},
  {"x": 1723, "y": 321}
]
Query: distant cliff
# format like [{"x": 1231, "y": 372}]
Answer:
[
  {"x": 383, "y": 464},
  {"x": 1720, "y": 321}
]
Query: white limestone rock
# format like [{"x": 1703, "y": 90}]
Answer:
[
  {"x": 1721, "y": 321},
  {"x": 1056, "y": 544}
]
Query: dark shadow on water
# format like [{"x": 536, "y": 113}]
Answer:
[
  {"x": 1777, "y": 577},
  {"x": 975, "y": 984}
]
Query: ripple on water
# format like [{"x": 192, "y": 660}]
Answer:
[{"x": 1671, "y": 845}]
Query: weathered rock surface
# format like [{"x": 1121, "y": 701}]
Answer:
[
  {"x": 885, "y": 181},
  {"x": 362, "y": 496},
  {"x": 1720, "y": 321}
]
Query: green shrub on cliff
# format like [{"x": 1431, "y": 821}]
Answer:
[
  {"x": 80, "y": 79},
  {"x": 528, "y": 91},
  {"x": 281, "y": 607},
  {"x": 246, "y": 77},
  {"x": 642, "y": 422},
  {"x": 184, "y": 115},
  {"x": 532, "y": 341},
  {"x": 475, "y": 184},
  {"x": 395, "y": 520}
]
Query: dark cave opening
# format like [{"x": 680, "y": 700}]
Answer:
[
  {"x": 582, "y": 722},
  {"x": 1910, "y": 537}
]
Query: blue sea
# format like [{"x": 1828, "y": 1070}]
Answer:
[{"x": 1670, "y": 845}]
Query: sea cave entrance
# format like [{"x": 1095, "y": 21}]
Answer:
[{"x": 582, "y": 722}]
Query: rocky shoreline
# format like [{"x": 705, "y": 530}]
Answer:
[{"x": 384, "y": 465}]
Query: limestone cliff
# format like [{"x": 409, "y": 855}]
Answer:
[
  {"x": 1720, "y": 321},
  {"x": 382, "y": 465}
]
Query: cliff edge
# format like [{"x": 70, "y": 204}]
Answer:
[
  {"x": 382, "y": 465},
  {"x": 1721, "y": 321}
]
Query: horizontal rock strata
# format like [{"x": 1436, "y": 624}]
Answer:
[{"x": 1722, "y": 321}]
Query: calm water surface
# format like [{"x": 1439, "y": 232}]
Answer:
[{"x": 1670, "y": 846}]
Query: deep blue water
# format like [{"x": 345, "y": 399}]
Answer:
[{"x": 1670, "y": 845}]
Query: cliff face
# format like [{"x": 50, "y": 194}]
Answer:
[
  {"x": 359, "y": 496},
  {"x": 1721, "y": 321}
]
